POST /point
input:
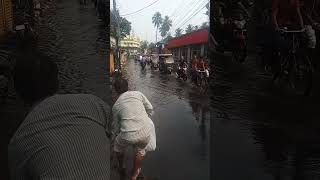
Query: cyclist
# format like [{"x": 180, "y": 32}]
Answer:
[
  {"x": 310, "y": 9},
  {"x": 200, "y": 66},
  {"x": 285, "y": 13},
  {"x": 311, "y": 19}
]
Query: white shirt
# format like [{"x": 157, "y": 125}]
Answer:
[{"x": 131, "y": 112}]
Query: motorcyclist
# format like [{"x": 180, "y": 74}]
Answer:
[
  {"x": 182, "y": 64},
  {"x": 143, "y": 61},
  {"x": 223, "y": 11}
]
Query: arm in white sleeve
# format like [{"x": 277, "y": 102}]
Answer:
[{"x": 147, "y": 105}]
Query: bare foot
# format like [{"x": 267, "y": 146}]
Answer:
[{"x": 136, "y": 174}]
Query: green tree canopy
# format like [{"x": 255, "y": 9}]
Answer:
[
  {"x": 165, "y": 27},
  {"x": 167, "y": 38},
  {"x": 178, "y": 32},
  {"x": 151, "y": 45},
  {"x": 144, "y": 45},
  {"x": 208, "y": 9},
  {"x": 189, "y": 29},
  {"x": 204, "y": 25},
  {"x": 157, "y": 21},
  {"x": 125, "y": 25}
]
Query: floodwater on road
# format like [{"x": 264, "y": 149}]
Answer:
[
  {"x": 75, "y": 38},
  {"x": 260, "y": 130},
  {"x": 182, "y": 122}
]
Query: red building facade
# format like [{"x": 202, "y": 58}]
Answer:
[{"x": 188, "y": 45}]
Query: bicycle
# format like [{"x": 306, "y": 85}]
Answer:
[{"x": 295, "y": 65}]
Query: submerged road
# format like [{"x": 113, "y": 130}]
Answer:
[
  {"x": 182, "y": 122},
  {"x": 261, "y": 130}
]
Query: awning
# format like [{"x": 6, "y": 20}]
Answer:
[{"x": 196, "y": 37}]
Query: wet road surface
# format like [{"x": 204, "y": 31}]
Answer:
[
  {"x": 182, "y": 122},
  {"x": 74, "y": 37},
  {"x": 260, "y": 130}
]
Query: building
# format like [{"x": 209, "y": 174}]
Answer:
[
  {"x": 6, "y": 17},
  {"x": 189, "y": 45},
  {"x": 112, "y": 55},
  {"x": 131, "y": 44}
]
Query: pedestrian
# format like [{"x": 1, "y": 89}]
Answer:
[
  {"x": 132, "y": 125},
  {"x": 63, "y": 136}
]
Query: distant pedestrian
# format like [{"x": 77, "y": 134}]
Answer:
[
  {"x": 132, "y": 125},
  {"x": 63, "y": 136}
]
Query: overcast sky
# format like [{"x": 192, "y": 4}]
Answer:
[{"x": 179, "y": 12}]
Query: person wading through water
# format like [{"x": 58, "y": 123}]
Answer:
[{"x": 132, "y": 125}]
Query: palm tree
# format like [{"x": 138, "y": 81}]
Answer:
[
  {"x": 189, "y": 29},
  {"x": 178, "y": 32},
  {"x": 157, "y": 21},
  {"x": 165, "y": 27}
]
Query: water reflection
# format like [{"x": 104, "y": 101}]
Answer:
[
  {"x": 289, "y": 154},
  {"x": 175, "y": 124}
]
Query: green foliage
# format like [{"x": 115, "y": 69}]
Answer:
[
  {"x": 125, "y": 25},
  {"x": 189, "y": 29},
  {"x": 204, "y": 25},
  {"x": 165, "y": 27},
  {"x": 178, "y": 32},
  {"x": 168, "y": 38},
  {"x": 157, "y": 21},
  {"x": 144, "y": 45}
]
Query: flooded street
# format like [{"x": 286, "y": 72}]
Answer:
[
  {"x": 260, "y": 130},
  {"x": 74, "y": 37},
  {"x": 182, "y": 122}
]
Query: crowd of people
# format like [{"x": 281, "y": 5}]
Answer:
[
  {"x": 198, "y": 66},
  {"x": 72, "y": 136}
]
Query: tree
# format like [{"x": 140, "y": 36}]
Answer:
[
  {"x": 178, "y": 32},
  {"x": 168, "y": 38},
  {"x": 204, "y": 25},
  {"x": 208, "y": 9},
  {"x": 189, "y": 29},
  {"x": 144, "y": 45},
  {"x": 157, "y": 21},
  {"x": 165, "y": 27},
  {"x": 151, "y": 45},
  {"x": 125, "y": 25},
  {"x": 195, "y": 28}
]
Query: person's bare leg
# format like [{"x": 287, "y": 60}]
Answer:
[{"x": 137, "y": 166}]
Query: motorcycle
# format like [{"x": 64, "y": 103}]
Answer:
[
  {"x": 182, "y": 73},
  {"x": 232, "y": 32}
]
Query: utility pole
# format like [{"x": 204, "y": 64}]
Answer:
[{"x": 117, "y": 18}]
